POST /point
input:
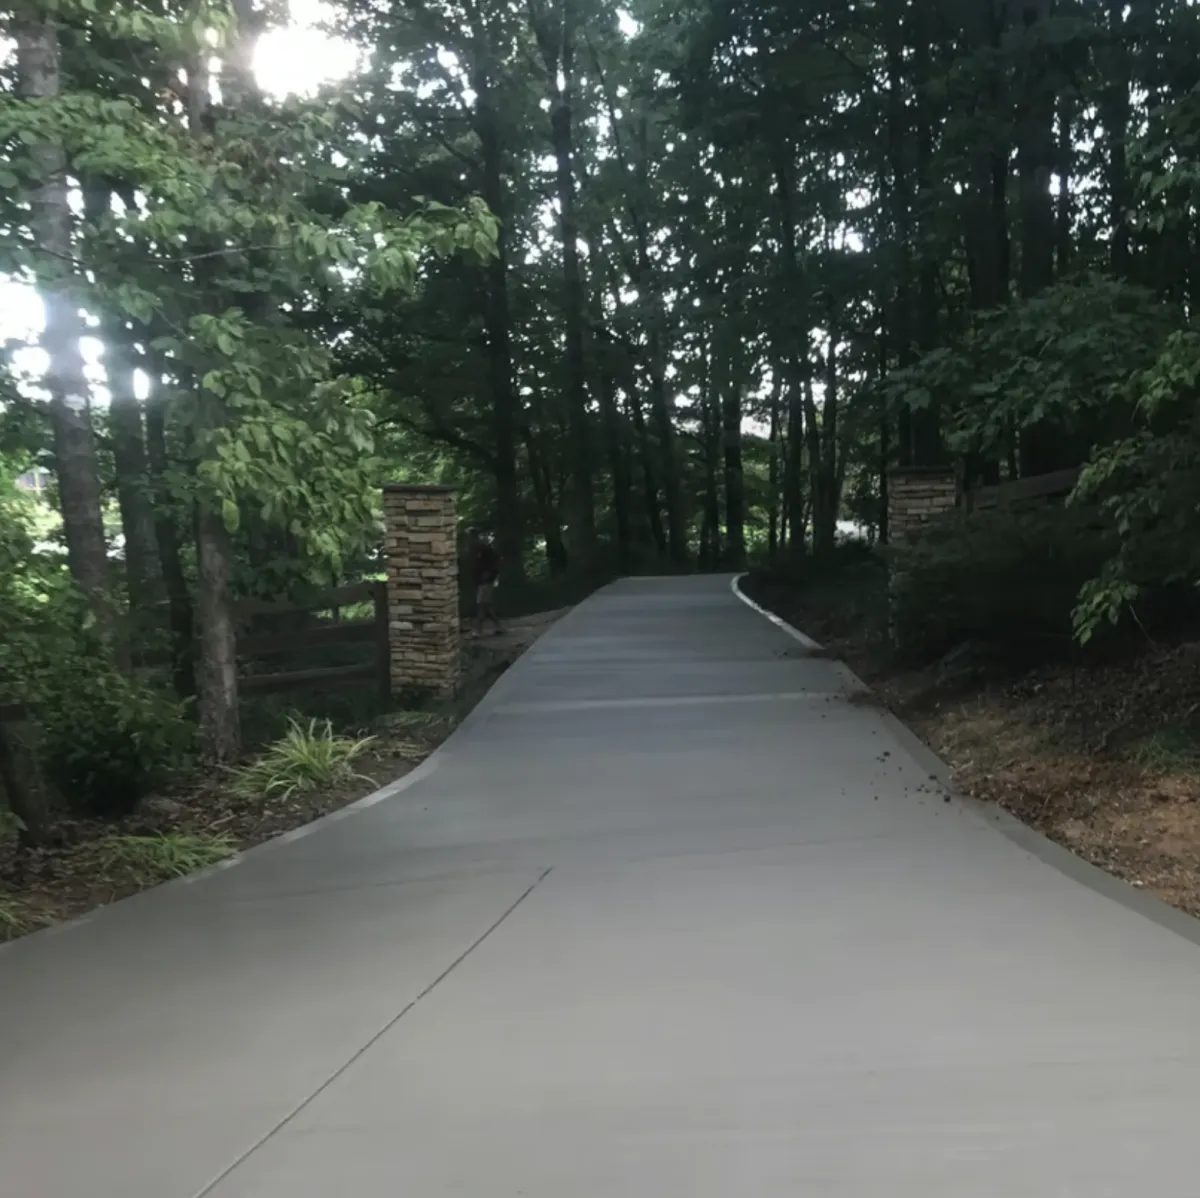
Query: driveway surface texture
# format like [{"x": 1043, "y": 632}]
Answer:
[{"x": 670, "y": 917}]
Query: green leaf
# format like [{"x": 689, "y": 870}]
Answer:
[{"x": 230, "y": 515}]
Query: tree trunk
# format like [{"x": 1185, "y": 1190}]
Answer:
[
  {"x": 216, "y": 675},
  {"x": 1044, "y": 446},
  {"x": 558, "y": 51},
  {"x": 543, "y": 495},
  {"x": 649, "y": 475},
  {"x": 1115, "y": 116},
  {"x": 925, "y": 439},
  {"x": 795, "y": 509},
  {"x": 498, "y": 325},
  {"x": 735, "y": 483},
  {"x": 1066, "y": 166},
  {"x": 645, "y": 279},
  {"x": 21, "y": 800},
  {"x": 133, "y": 485},
  {"x": 1036, "y": 154},
  {"x": 664, "y": 430},
  {"x": 803, "y": 431},
  {"x": 896, "y": 194},
  {"x": 618, "y": 466},
  {"x": 932, "y": 452},
  {"x": 179, "y": 600},
  {"x": 76, "y": 468},
  {"x": 773, "y": 474},
  {"x": 988, "y": 225},
  {"x": 218, "y": 681},
  {"x": 825, "y": 466},
  {"x": 711, "y": 429}
]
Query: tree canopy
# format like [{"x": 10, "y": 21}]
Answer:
[{"x": 658, "y": 286}]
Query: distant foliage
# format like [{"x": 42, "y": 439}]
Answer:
[
  {"x": 1004, "y": 581},
  {"x": 1065, "y": 355}
]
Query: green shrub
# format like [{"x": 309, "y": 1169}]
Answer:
[
  {"x": 10, "y": 822},
  {"x": 306, "y": 758},
  {"x": 1005, "y": 581},
  {"x": 148, "y": 860},
  {"x": 106, "y": 740},
  {"x": 1172, "y": 750},
  {"x": 17, "y": 919}
]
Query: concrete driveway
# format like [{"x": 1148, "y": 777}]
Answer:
[{"x": 671, "y": 917}]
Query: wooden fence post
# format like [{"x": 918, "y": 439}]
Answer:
[{"x": 383, "y": 644}]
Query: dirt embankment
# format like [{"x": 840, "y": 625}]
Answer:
[
  {"x": 88, "y": 864},
  {"x": 1103, "y": 758}
]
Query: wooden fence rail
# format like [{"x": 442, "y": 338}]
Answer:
[
  {"x": 254, "y": 644},
  {"x": 1040, "y": 486}
]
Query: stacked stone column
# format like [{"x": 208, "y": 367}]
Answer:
[
  {"x": 421, "y": 547},
  {"x": 917, "y": 496}
]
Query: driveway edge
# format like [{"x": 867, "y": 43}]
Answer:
[{"x": 1023, "y": 836}]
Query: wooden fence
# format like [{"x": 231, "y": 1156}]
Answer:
[
  {"x": 259, "y": 642},
  {"x": 1041, "y": 487}
]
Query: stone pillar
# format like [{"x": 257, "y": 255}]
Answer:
[
  {"x": 421, "y": 548},
  {"x": 917, "y": 496}
]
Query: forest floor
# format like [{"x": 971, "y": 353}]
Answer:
[
  {"x": 1103, "y": 758},
  {"x": 88, "y": 864}
]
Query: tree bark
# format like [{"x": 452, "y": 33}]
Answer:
[
  {"x": 547, "y": 507},
  {"x": 498, "y": 326},
  {"x": 802, "y": 428},
  {"x": 795, "y": 509},
  {"x": 1063, "y": 205},
  {"x": 1044, "y": 445},
  {"x": 76, "y": 468},
  {"x": 218, "y": 680},
  {"x": 142, "y": 570},
  {"x": 988, "y": 223},
  {"x": 773, "y": 473},
  {"x": 21, "y": 800},
  {"x": 926, "y": 434},
  {"x": 646, "y": 279},
  {"x": 826, "y": 468},
  {"x": 731, "y": 451},
  {"x": 710, "y": 415},
  {"x": 216, "y": 675},
  {"x": 618, "y": 463},
  {"x": 166, "y": 537},
  {"x": 1036, "y": 154},
  {"x": 556, "y": 39},
  {"x": 1115, "y": 116},
  {"x": 649, "y": 475}
]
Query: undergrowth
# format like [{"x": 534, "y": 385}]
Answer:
[
  {"x": 151, "y": 859},
  {"x": 305, "y": 758},
  {"x": 17, "y": 919},
  {"x": 1173, "y": 750}
]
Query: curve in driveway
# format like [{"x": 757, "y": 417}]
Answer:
[{"x": 668, "y": 915}]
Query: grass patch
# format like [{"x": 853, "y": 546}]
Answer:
[
  {"x": 152, "y": 859},
  {"x": 399, "y": 720},
  {"x": 1173, "y": 750},
  {"x": 305, "y": 758},
  {"x": 17, "y": 919},
  {"x": 10, "y": 823}
]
